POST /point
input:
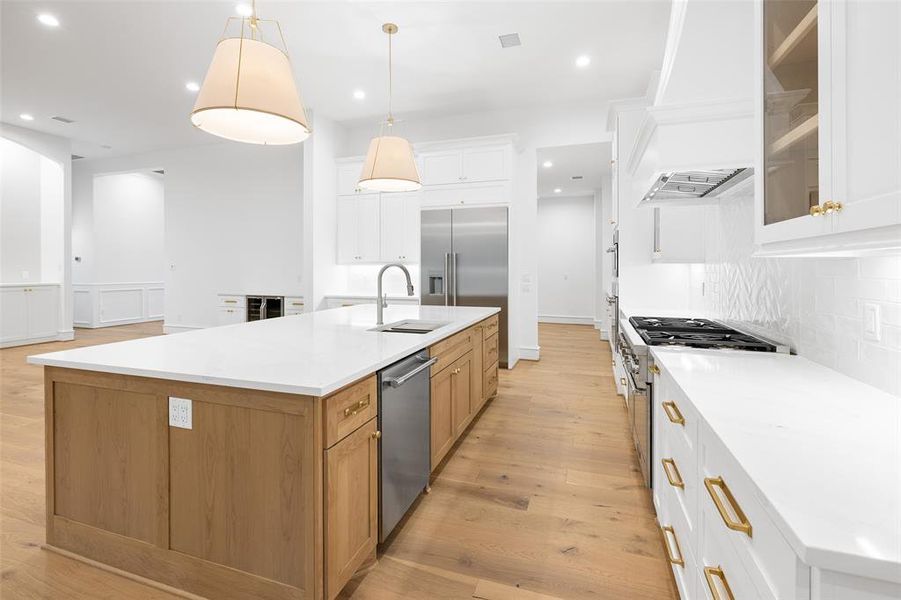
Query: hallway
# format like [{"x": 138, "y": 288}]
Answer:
[{"x": 542, "y": 498}]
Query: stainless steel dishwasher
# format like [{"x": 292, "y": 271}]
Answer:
[{"x": 404, "y": 452}]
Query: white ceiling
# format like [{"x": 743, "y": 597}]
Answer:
[
  {"x": 119, "y": 68},
  {"x": 591, "y": 161}
]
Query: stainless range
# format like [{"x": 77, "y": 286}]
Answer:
[{"x": 638, "y": 333}]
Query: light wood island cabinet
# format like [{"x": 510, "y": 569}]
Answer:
[{"x": 266, "y": 495}]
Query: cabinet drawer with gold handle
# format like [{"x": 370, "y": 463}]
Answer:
[
  {"x": 714, "y": 575},
  {"x": 740, "y": 522},
  {"x": 672, "y": 473},
  {"x": 673, "y": 552},
  {"x": 673, "y": 413},
  {"x": 348, "y": 408}
]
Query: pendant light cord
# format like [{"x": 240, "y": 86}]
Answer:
[{"x": 390, "y": 83}]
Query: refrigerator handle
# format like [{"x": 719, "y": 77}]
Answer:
[
  {"x": 446, "y": 277},
  {"x": 454, "y": 266}
]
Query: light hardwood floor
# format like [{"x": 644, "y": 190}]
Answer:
[{"x": 542, "y": 498}]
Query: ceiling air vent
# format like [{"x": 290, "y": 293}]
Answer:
[
  {"x": 76, "y": 157},
  {"x": 509, "y": 40},
  {"x": 576, "y": 177},
  {"x": 62, "y": 119}
]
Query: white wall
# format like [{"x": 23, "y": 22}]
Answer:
[
  {"x": 126, "y": 234},
  {"x": 535, "y": 128},
  {"x": 233, "y": 222},
  {"x": 20, "y": 214},
  {"x": 567, "y": 262},
  {"x": 55, "y": 265},
  {"x": 813, "y": 304}
]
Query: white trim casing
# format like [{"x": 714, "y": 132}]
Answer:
[{"x": 529, "y": 352}]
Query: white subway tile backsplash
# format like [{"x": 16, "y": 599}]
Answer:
[{"x": 813, "y": 304}]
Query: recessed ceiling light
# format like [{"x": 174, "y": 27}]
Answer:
[
  {"x": 48, "y": 20},
  {"x": 26, "y": 117},
  {"x": 244, "y": 10},
  {"x": 547, "y": 164},
  {"x": 192, "y": 86},
  {"x": 583, "y": 61},
  {"x": 359, "y": 95},
  {"x": 106, "y": 146},
  {"x": 557, "y": 190}
]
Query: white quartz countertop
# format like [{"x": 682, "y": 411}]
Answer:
[
  {"x": 824, "y": 450},
  {"x": 314, "y": 353}
]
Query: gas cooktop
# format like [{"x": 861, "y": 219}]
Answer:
[{"x": 696, "y": 333}]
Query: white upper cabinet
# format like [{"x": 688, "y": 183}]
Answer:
[
  {"x": 828, "y": 118},
  {"x": 474, "y": 164},
  {"x": 399, "y": 235},
  {"x": 358, "y": 228},
  {"x": 440, "y": 167},
  {"x": 348, "y": 177}
]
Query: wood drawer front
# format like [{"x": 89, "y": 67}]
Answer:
[
  {"x": 491, "y": 325},
  {"x": 489, "y": 349},
  {"x": 489, "y": 385},
  {"x": 450, "y": 349},
  {"x": 349, "y": 408},
  {"x": 767, "y": 557}
]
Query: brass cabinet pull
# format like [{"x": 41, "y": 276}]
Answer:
[
  {"x": 816, "y": 210},
  {"x": 717, "y": 572},
  {"x": 673, "y": 413},
  {"x": 456, "y": 371},
  {"x": 742, "y": 524},
  {"x": 297, "y": 304},
  {"x": 622, "y": 381},
  {"x": 654, "y": 369},
  {"x": 376, "y": 435},
  {"x": 830, "y": 207},
  {"x": 231, "y": 301},
  {"x": 672, "y": 473},
  {"x": 677, "y": 558},
  {"x": 357, "y": 407}
]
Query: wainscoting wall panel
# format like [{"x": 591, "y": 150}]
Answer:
[{"x": 108, "y": 304}]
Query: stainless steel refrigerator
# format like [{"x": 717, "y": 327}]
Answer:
[{"x": 465, "y": 261}]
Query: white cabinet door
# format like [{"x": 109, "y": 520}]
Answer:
[
  {"x": 486, "y": 164},
  {"x": 348, "y": 177},
  {"x": 347, "y": 229},
  {"x": 230, "y": 316},
  {"x": 43, "y": 316},
  {"x": 445, "y": 166},
  {"x": 681, "y": 235},
  {"x": 400, "y": 227},
  {"x": 865, "y": 91},
  {"x": 368, "y": 227},
  {"x": 13, "y": 314}
]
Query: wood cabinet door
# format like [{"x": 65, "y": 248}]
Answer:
[
  {"x": 477, "y": 395},
  {"x": 351, "y": 505},
  {"x": 461, "y": 392},
  {"x": 442, "y": 417}
]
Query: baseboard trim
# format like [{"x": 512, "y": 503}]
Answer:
[
  {"x": 118, "y": 322},
  {"x": 529, "y": 352},
  {"x": 566, "y": 320},
  {"x": 179, "y": 328},
  {"x": 62, "y": 336}
]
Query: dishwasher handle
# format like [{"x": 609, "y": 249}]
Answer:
[{"x": 396, "y": 382}]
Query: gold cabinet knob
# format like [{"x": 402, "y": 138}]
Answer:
[
  {"x": 376, "y": 435},
  {"x": 457, "y": 371},
  {"x": 829, "y": 207},
  {"x": 816, "y": 210}
]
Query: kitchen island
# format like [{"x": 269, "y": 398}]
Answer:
[{"x": 242, "y": 461}]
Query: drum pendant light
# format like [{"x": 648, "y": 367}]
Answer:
[
  {"x": 249, "y": 94},
  {"x": 389, "y": 165}
]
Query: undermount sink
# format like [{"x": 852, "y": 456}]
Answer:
[{"x": 410, "y": 326}]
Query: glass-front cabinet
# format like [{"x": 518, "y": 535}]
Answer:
[
  {"x": 791, "y": 123},
  {"x": 828, "y": 117}
]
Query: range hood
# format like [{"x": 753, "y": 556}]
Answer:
[{"x": 693, "y": 187}]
